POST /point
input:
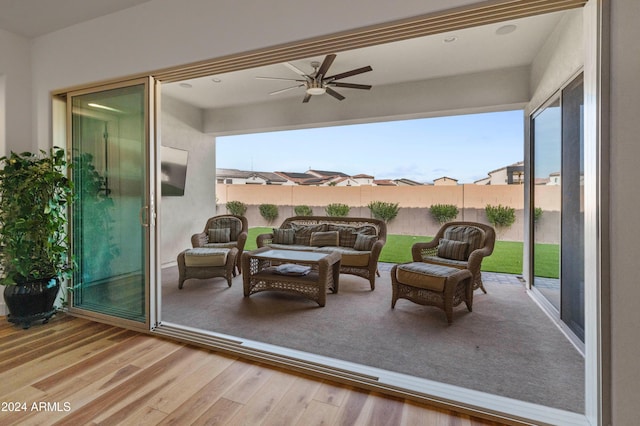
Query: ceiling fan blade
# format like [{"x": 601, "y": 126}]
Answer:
[
  {"x": 335, "y": 94},
  {"x": 350, "y": 73},
  {"x": 286, "y": 89},
  {"x": 295, "y": 69},
  {"x": 306, "y": 98},
  {"x": 277, "y": 78},
  {"x": 352, "y": 85},
  {"x": 328, "y": 60}
]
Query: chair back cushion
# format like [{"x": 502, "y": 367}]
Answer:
[
  {"x": 468, "y": 234},
  {"x": 234, "y": 225},
  {"x": 219, "y": 235},
  {"x": 451, "y": 249}
]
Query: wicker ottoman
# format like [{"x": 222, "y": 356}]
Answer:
[
  {"x": 433, "y": 285},
  {"x": 207, "y": 263}
]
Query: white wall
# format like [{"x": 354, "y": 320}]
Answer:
[
  {"x": 625, "y": 201},
  {"x": 15, "y": 67},
  {"x": 181, "y": 217}
]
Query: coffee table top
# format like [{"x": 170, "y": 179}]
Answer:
[{"x": 288, "y": 255}]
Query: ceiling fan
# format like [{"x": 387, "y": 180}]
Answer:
[{"x": 317, "y": 83}]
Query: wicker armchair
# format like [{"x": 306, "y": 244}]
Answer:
[
  {"x": 451, "y": 251},
  {"x": 224, "y": 231}
]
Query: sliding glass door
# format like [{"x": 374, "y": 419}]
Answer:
[
  {"x": 112, "y": 218},
  {"x": 558, "y": 204}
]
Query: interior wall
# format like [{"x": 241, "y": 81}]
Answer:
[
  {"x": 182, "y": 216},
  {"x": 470, "y": 93},
  {"x": 624, "y": 202},
  {"x": 15, "y": 67}
]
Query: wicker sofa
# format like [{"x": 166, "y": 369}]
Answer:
[{"x": 358, "y": 240}]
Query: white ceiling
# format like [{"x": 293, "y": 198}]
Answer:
[
  {"x": 474, "y": 50},
  {"x": 33, "y": 18}
]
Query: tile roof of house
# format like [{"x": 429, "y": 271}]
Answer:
[
  {"x": 246, "y": 174},
  {"x": 384, "y": 182},
  {"x": 327, "y": 173},
  {"x": 409, "y": 182}
]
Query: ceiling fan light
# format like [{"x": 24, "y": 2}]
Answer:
[{"x": 316, "y": 90}]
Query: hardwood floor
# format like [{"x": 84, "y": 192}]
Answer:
[{"x": 76, "y": 372}]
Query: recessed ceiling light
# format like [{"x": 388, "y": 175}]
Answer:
[
  {"x": 216, "y": 80},
  {"x": 186, "y": 85},
  {"x": 449, "y": 39},
  {"x": 506, "y": 29}
]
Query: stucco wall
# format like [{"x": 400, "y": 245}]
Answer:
[
  {"x": 414, "y": 202},
  {"x": 180, "y": 217}
]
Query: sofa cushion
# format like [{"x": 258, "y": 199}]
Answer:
[
  {"x": 469, "y": 234},
  {"x": 347, "y": 234},
  {"x": 364, "y": 242},
  {"x": 202, "y": 257},
  {"x": 303, "y": 232},
  {"x": 348, "y": 256},
  {"x": 219, "y": 235},
  {"x": 283, "y": 236},
  {"x": 324, "y": 238},
  {"x": 291, "y": 247},
  {"x": 451, "y": 249},
  {"x": 424, "y": 275}
]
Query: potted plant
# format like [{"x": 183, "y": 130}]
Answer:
[{"x": 34, "y": 196}]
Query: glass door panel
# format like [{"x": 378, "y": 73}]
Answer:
[
  {"x": 547, "y": 203},
  {"x": 558, "y": 202},
  {"x": 110, "y": 218}
]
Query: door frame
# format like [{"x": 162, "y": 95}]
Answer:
[{"x": 151, "y": 267}]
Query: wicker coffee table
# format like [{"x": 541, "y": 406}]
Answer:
[{"x": 259, "y": 273}]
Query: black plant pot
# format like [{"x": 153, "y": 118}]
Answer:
[{"x": 31, "y": 301}]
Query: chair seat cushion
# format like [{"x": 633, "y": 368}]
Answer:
[
  {"x": 424, "y": 275},
  {"x": 228, "y": 245},
  {"x": 206, "y": 257},
  {"x": 436, "y": 260}
]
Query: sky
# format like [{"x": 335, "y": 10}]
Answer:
[{"x": 463, "y": 147}]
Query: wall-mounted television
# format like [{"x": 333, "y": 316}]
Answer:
[{"x": 173, "y": 171}]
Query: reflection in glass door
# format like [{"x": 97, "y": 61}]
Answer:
[
  {"x": 558, "y": 205},
  {"x": 109, "y": 149}
]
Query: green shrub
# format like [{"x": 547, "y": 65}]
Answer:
[
  {"x": 303, "y": 211},
  {"x": 443, "y": 213},
  {"x": 537, "y": 214},
  {"x": 500, "y": 216},
  {"x": 383, "y": 211},
  {"x": 237, "y": 207},
  {"x": 268, "y": 211},
  {"x": 337, "y": 210}
]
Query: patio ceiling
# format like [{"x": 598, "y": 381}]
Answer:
[{"x": 460, "y": 52}]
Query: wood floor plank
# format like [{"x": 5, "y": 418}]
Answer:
[
  {"x": 263, "y": 401},
  {"x": 294, "y": 402},
  {"x": 111, "y": 376},
  {"x": 179, "y": 392},
  {"x": 331, "y": 393},
  {"x": 206, "y": 396},
  {"x": 318, "y": 414},
  {"x": 220, "y": 413}
]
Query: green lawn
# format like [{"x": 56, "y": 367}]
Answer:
[{"x": 506, "y": 257}]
